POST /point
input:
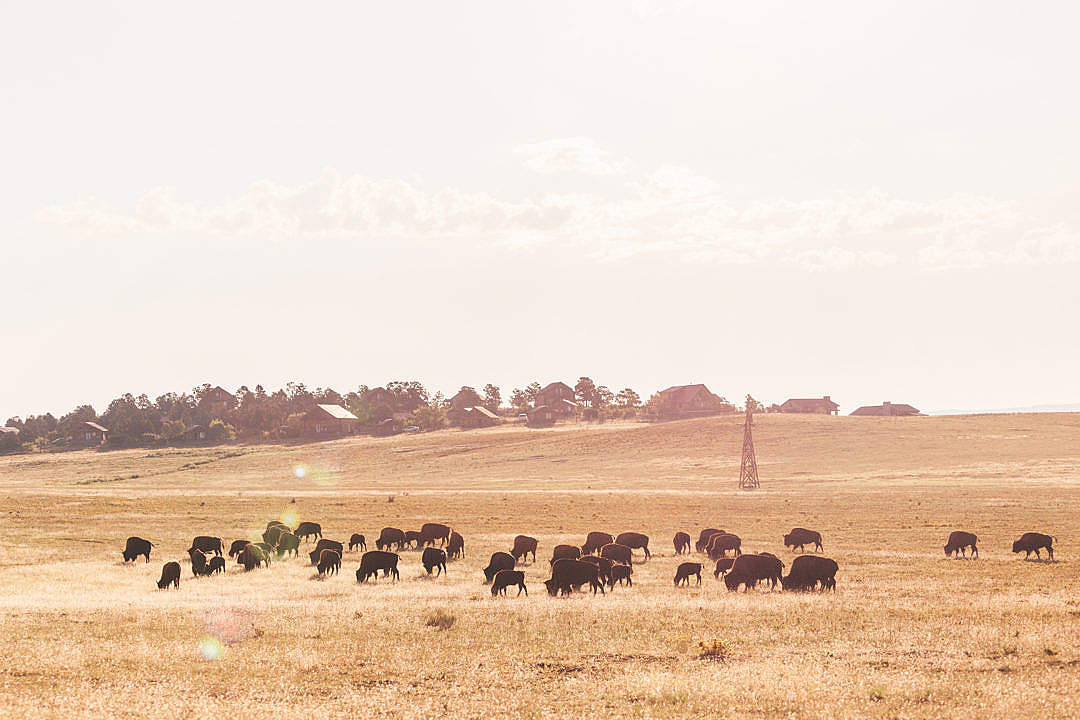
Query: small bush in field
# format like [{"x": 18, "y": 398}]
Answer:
[
  {"x": 440, "y": 619},
  {"x": 713, "y": 650}
]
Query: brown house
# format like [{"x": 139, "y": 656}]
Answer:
[
  {"x": 195, "y": 433},
  {"x": 887, "y": 409},
  {"x": 541, "y": 416},
  {"x": 330, "y": 421},
  {"x": 88, "y": 433},
  {"x": 217, "y": 396},
  {"x": 558, "y": 398},
  {"x": 813, "y": 406},
  {"x": 476, "y": 416},
  {"x": 687, "y": 401}
]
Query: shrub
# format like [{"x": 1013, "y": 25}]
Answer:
[
  {"x": 713, "y": 650},
  {"x": 440, "y": 619}
]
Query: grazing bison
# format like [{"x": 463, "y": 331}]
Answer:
[
  {"x": 722, "y": 566},
  {"x": 681, "y": 541},
  {"x": 434, "y": 558},
  {"x": 720, "y": 544},
  {"x": 267, "y": 552},
  {"x": 357, "y": 541},
  {"x": 564, "y": 551},
  {"x": 237, "y": 546},
  {"x": 617, "y": 553},
  {"x": 375, "y": 560},
  {"x": 798, "y": 537},
  {"x": 506, "y": 578},
  {"x": 430, "y": 532},
  {"x": 390, "y": 537},
  {"x": 523, "y": 545},
  {"x": 217, "y": 564},
  {"x": 703, "y": 539},
  {"x": 136, "y": 546},
  {"x": 456, "y": 547},
  {"x": 603, "y": 566},
  {"x": 288, "y": 544},
  {"x": 413, "y": 538},
  {"x": 325, "y": 544},
  {"x": 308, "y": 529},
  {"x": 634, "y": 541},
  {"x": 170, "y": 575},
  {"x": 207, "y": 545},
  {"x": 198, "y": 563},
  {"x": 278, "y": 523},
  {"x": 568, "y": 574},
  {"x": 809, "y": 570},
  {"x": 499, "y": 561},
  {"x": 252, "y": 556},
  {"x": 270, "y": 537},
  {"x": 687, "y": 569},
  {"x": 621, "y": 574},
  {"x": 748, "y": 569},
  {"x": 329, "y": 561},
  {"x": 1033, "y": 542},
  {"x": 595, "y": 541},
  {"x": 958, "y": 543}
]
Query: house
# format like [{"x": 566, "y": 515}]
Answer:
[
  {"x": 330, "y": 421},
  {"x": 217, "y": 396},
  {"x": 558, "y": 398},
  {"x": 195, "y": 433},
  {"x": 477, "y": 416},
  {"x": 9, "y": 431},
  {"x": 542, "y": 416},
  {"x": 687, "y": 401},
  {"x": 88, "y": 433},
  {"x": 814, "y": 406},
  {"x": 887, "y": 409}
]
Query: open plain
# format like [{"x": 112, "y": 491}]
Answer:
[{"x": 908, "y": 632}]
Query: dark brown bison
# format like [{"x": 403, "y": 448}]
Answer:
[
  {"x": 799, "y": 537},
  {"x": 430, "y": 532},
  {"x": 720, "y": 544},
  {"x": 748, "y": 569},
  {"x": 568, "y": 575},
  {"x": 413, "y": 538},
  {"x": 170, "y": 575},
  {"x": 456, "y": 547},
  {"x": 617, "y": 553},
  {"x": 329, "y": 561},
  {"x": 375, "y": 560},
  {"x": 565, "y": 551},
  {"x": 270, "y": 537},
  {"x": 523, "y": 545},
  {"x": 357, "y": 541},
  {"x": 1033, "y": 542},
  {"x": 809, "y": 570},
  {"x": 703, "y": 538},
  {"x": 237, "y": 546},
  {"x": 136, "y": 546},
  {"x": 603, "y": 567},
  {"x": 595, "y": 541},
  {"x": 217, "y": 564},
  {"x": 958, "y": 543},
  {"x": 325, "y": 544},
  {"x": 499, "y": 561},
  {"x": 620, "y": 574},
  {"x": 208, "y": 545},
  {"x": 252, "y": 556},
  {"x": 390, "y": 537},
  {"x": 434, "y": 558},
  {"x": 288, "y": 544},
  {"x": 634, "y": 541},
  {"x": 681, "y": 541},
  {"x": 198, "y": 563},
  {"x": 506, "y": 578},
  {"x": 685, "y": 570},
  {"x": 722, "y": 566},
  {"x": 308, "y": 529}
]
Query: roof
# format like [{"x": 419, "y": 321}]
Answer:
[
  {"x": 9, "y": 430},
  {"x": 810, "y": 403},
  {"x": 337, "y": 412},
  {"x": 193, "y": 428},
  {"x": 95, "y": 426},
  {"x": 887, "y": 410},
  {"x": 682, "y": 393},
  {"x": 564, "y": 401},
  {"x": 483, "y": 411},
  {"x": 552, "y": 386}
]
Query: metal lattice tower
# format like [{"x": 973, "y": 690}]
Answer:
[{"x": 748, "y": 479}]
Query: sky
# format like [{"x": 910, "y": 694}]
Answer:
[{"x": 868, "y": 200}]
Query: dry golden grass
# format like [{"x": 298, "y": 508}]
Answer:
[{"x": 907, "y": 634}]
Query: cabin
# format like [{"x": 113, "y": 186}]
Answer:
[
  {"x": 86, "y": 434},
  {"x": 813, "y": 406},
  {"x": 542, "y": 416},
  {"x": 687, "y": 401},
  {"x": 476, "y": 416},
  {"x": 217, "y": 396},
  {"x": 195, "y": 433},
  {"x": 887, "y": 409},
  {"x": 9, "y": 431},
  {"x": 330, "y": 421},
  {"x": 558, "y": 398}
]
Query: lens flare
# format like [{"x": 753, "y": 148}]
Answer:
[
  {"x": 300, "y": 472},
  {"x": 290, "y": 518},
  {"x": 210, "y": 649}
]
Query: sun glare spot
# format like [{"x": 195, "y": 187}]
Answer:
[
  {"x": 299, "y": 471},
  {"x": 210, "y": 648},
  {"x": 290, "y": 518}
]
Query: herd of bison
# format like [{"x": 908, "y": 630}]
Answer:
[{"x": 603, "y": 560}]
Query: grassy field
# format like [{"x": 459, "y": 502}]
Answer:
[{"x": 908, "y": 633}]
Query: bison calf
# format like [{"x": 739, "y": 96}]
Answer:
[
  {"x": 621, "y": 574},
  {"x": 506, "y": 578},
  {"x": 722, "y": 566},
  {"x": 329, "y": 562},
  {"x": 357, "y": 541},
  {"x": 217, "y": 564},
  {"x": 681, "y": 541}
]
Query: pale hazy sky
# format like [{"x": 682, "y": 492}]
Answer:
[{"x": 876, "y": 201}]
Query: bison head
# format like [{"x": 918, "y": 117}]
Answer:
[
  {"x": 552, "y": 588},
  {"x": 1017, "y": 546},
  {"x": 787, "y": 540}
]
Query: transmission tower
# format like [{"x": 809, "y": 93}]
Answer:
[{"x": 748, "y": 479}]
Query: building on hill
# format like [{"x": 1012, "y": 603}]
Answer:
[
  {"x": 887, "y": 409},
  {"x": 195, "y": 433},
  {"x": 688, "y": 401},
  {"x": 476, "y": 416},
  {"x": 87, "y": 433},
  {"x": 11, "y": 431},
  {"x": 542, "y": 416},
  {"x": 558, "y": 398},
  {"x": 216, "y": 396},
  {"x": 330, "y": 421},
  {"x": 814, "y": 406}
]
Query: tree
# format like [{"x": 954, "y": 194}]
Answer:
[
  {"x": 628, "y": 399},
  {"x": 532, "y": 391},
  {"x": 430, "y": 417},
  {"x": 585, "y": 392},
  {"x": 492, "y": 397},
  {"x": 604, "y": 397},
  {"x": 754, "y": 405},
  {"x": 519, "y": 399},
  {"x": 408, "y": 395},
  {"x": 467, "y": 397}
]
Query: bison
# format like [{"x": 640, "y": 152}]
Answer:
[
  {"x": 325, "y": 544},
  {"x": 506, "y": 578},
  {"x": 170, "y": 575},
  {"x": 207, "y": 544},
  {"x": 681, "y": 541},
  {"x": 456, "y": 547},
  {"x": 252, "y": 556},
  {"x": 798, "y": 537},
  {"x": 722, "y": 566},
  {"x": 720, "y": 544},
  {"x": 687, "y": 569},
  {"x": 748, "y": 569},
  {"x": 1033, "y": 542},
  {"x": 270, "y": 537},
  {"x": 617, "y": 553},
  {"x": 499, "y": 561},
  {"x": 564, "y": 551},
  {"x": 237, "y": 546},
  {"x": 568, "y": 574},
  {"x": 523, "y": 545},
  {"x": 703, "y": 538},
  {"x": 198, "y": 563},
  {"x": 809, "y": 570},
  {"x": 375, "y": 560},
  {"x": 136, "y": 546},
  {"x": 413, "y": 538},
  {"x": 217, "y": 564},
  {"x": 958, "y": 543},
  {"x": 390, "y": 537},
  {"x": 595, "y": 541},
  {"x": 434, "y": 558},
  {"x": 267, "y": 552},
  {"x": 430, "y": 532},
  {"x": 288, "y": 544},
  {"x": 603, "y": 566},
  {"x": 329, "y": 561},
  {"x": 634, "y": 541},
  {"x": 620, "y": 574},
  {"x": 308, "y": 529},
  {"x": 357, "y": 541}
]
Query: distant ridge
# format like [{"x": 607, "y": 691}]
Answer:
[{"x": 1070, "y": 407}]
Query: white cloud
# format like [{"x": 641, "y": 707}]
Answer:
[{"x": 576, "y": 155}]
